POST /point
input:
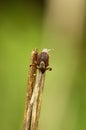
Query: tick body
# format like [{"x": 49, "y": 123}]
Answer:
[{"x": 43, "y": 61}]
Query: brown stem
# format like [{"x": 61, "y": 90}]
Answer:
[
  {"x": 31, "y": 83},
  {"x": 34, "y": 91}
]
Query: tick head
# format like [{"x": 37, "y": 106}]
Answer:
[{"x": 42, "y": 66}]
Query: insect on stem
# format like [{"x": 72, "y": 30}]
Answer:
[{"x": 34, "y": 105}]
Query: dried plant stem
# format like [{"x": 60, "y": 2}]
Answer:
[
  {"x": 40, "y": 99},
  {"x": 33, "y": 95},
  {"x": 33, "y": 112},
  {"x": 31, "y": 83}
]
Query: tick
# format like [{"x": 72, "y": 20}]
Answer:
[{"x": 43, "y": 61}]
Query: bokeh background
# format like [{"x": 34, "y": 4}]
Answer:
[{"x": 53, "y": 24}]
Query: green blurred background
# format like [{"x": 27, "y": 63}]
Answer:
[{"x": 58, "y": 25}]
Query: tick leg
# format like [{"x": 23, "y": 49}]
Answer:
[
  {"x": 35, "y": 63},
  {"x": 48, "y": 68},
  {"x": 38, "y": 67},
  {"x": 32, "y": 65}
]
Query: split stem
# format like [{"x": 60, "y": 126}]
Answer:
[{"x": 33, "y": 95}]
